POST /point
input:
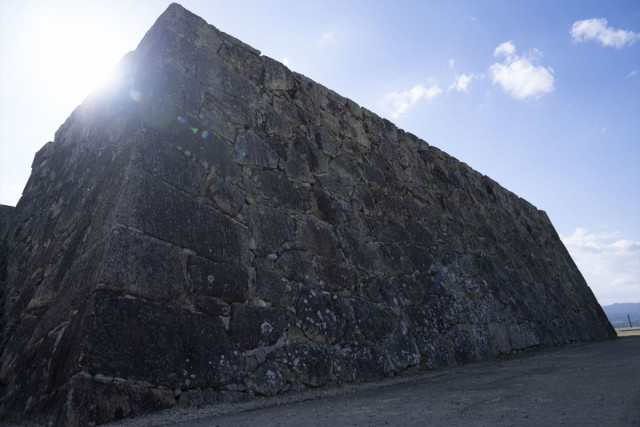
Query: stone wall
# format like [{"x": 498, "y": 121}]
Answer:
[
  {"x": 218, "y": 227},
  {"x": 6, "y": 214}
]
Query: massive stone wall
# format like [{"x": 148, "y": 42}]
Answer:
[{"x": 217, "y": 227}]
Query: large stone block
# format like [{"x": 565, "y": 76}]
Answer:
[
  {"x": 156, "y": 208},
  {"x": 269, "y": 227},
  {"x": 89, "y": 401},
  {"x": 323, "y": 316},
  {"x": 253, "y": 327},
  {"x": 130, "y": 338},
  {"x": 275, "y": 289},
  {"x": 311, "y": 364},
  {"x": 139, "y": 265},
  {"x": 226, "y": 281}
]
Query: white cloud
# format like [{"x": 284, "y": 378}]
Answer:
[
  {"x": 633, "y": 74},
  {"x": 452, "y": 63},
  {"x": 507, "y": 49},
  {"x": 327, "y": 38},
  {"x": 518, "y": 75},
  {"x": 597, "y": 29},
  {"x": 397, "y": 103},
  {"x": 461, "y": 83},
  {"x": 285, "y": 61},
  {"x": 610, "y": 265}
]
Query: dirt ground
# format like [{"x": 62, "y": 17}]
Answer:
[{"x": 594, "y": 384}]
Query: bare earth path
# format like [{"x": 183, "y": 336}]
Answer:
[{"x": 596, "y": 384}]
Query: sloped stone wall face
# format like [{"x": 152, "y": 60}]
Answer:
[{"x": 219, "y": 228}]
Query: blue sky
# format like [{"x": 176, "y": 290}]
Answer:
[{"x": 542, "y": 96}]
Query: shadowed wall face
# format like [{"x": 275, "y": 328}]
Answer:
[{"x": 217, "y": 227}]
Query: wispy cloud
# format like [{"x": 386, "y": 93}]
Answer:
[
  {"x": 598, "y": 30},
  {"x": 633, "y": 73},
  {"x": 452, "y": 62},
  {"x": 461, "y": 83},
  {"x": 518, "y": 75},
  {"x": 506, "y": 49},
  {"x": 397, "y": 103},
  {"x": 610, "y": 265},
  {"x": 327, "y": 37}
]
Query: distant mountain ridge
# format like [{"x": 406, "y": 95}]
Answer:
[{"x": 617, "y": 314}]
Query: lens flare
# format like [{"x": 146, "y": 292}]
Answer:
[
  {"x": 205, "y": 134},
  {"x": 240, "y": 154},
  {"x": 135, "y": 95}
]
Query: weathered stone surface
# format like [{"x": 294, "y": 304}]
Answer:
[
  {"x": 317, "y": 237},
  {"x": 311, "y": 364},
  {"x": 266, "y": 380},
  {"x": 153, "y": 343},
  {"x": 253, "y": 327},
  {"x": 277, "y": 76},
  {"x": 269, "y": 227},
  {"x": 161, "y": 211},
  {"x": 225, "y": 281},
  {"x": 143, "y": 266},
  {"x": 275, "y": 289},
  {"x": 276, "y": 189},
  {"x": 195, "y": 240},
  {"x": 322, "y": 316},
  {"x": 325, "y": 206},
  {"x": 87, "y": 400},
  {"x": 6, "y": 214},
  {"x": 299, "y": 266}
]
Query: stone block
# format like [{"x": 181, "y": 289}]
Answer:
[
  {"x": 325, "y": 206},
  {"x": 336, "y": 275},
  {"x": 266, "y": 380},
  {"x": 228, "y": 198},
  {"x": 85, "y": 401},
  {"x": 277, "y": 188},
  {"x": 128, "y": 337},
  {"x": 226, "y": 281},
  {"x": 323, "y": 316},
  {"x": 374, "y": 325},
  {"x": 252, "y": 150},
  {"x": 243, "y": 61},
  {"x": 299, "y": 266},
  {"x": 252, "y": 327},
  {"x": 345, "y": 166},
  {"x": 317, "y": 237},
  {"x": 269, "y": 227},
  {"x": 311, "y": 364},
  {"x": 161, "y": 211},
  {"x": 140, "y": 265},
  {"x": 275, "y": 289},
  {"x": 304, "y": 160},
  {"x": 276, "y": 75}
]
